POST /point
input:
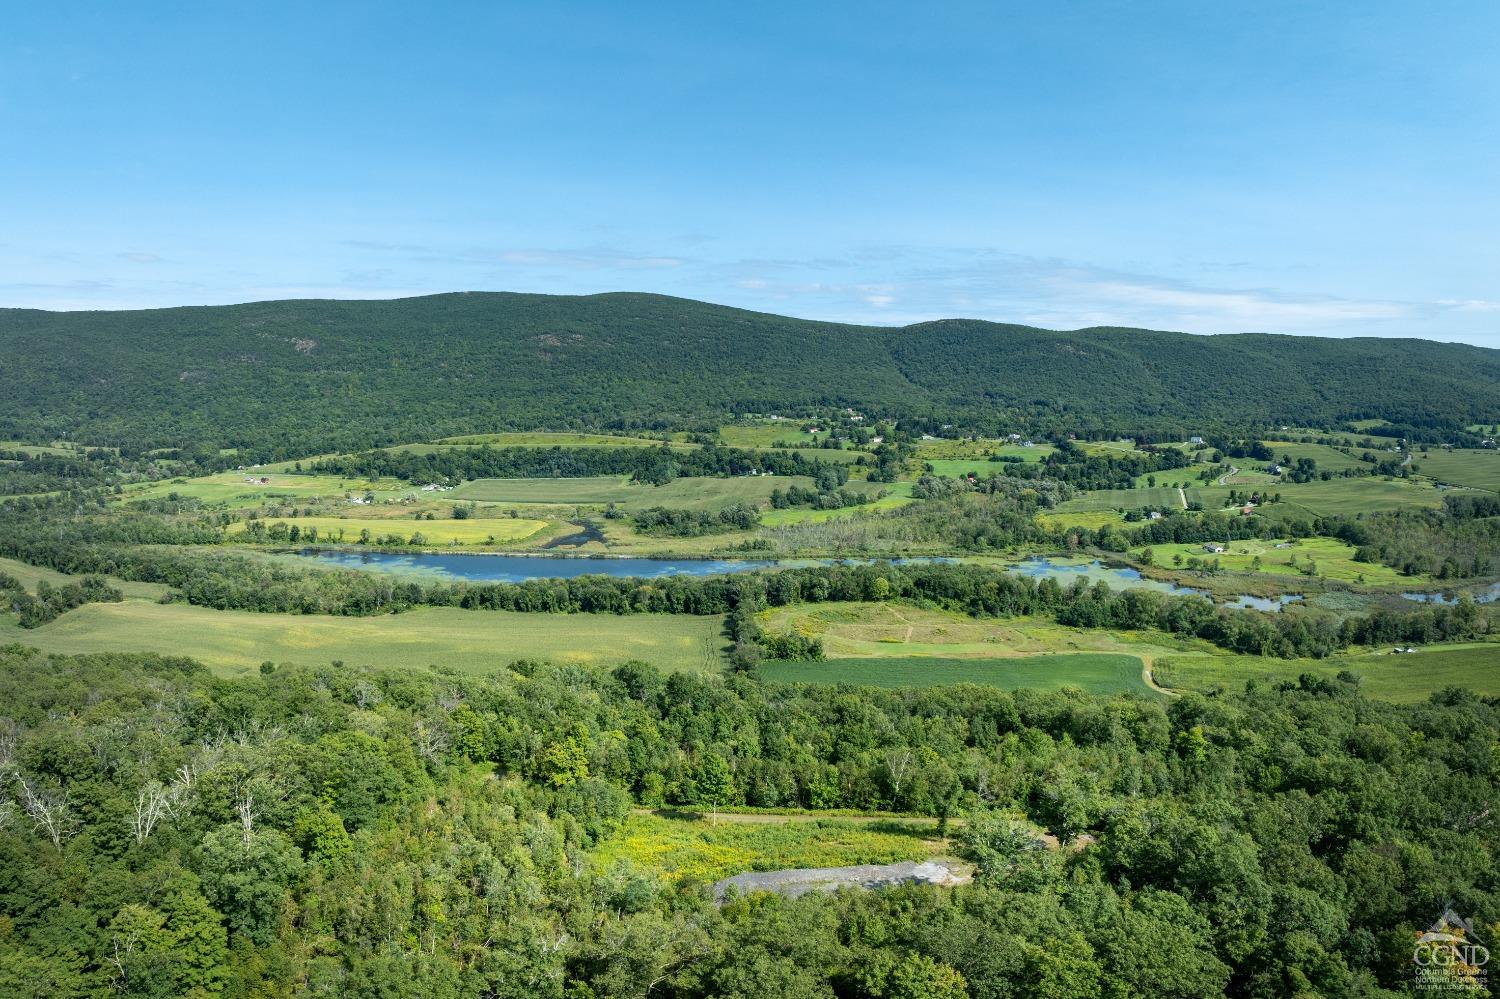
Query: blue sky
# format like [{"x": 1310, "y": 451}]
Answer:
[{"x": 1329, "y": 168}]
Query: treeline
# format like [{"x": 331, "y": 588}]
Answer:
[
  {"x": 654, "y": 465},
  {"x": 660, "y": 521},
  {"x": 1461, "y": 541},
  {"x": 358, "y": 832},
  {"x": 51, "y": 602},
  {"x": 1071, "y": 464}
]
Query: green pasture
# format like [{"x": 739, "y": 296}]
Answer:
[
  {"x": 1479, "y": 469},
  {"x": 30, "y": 575},
  {"x": 1328, "y": 458},
  {"x": 1332, "y": 559},
  {"x": 1405, "y": 677},
  {"x": 470, "y": 640},
  {"x": 1122, "y": 499},
  {"x": 980, "y": 450},
  {"x": 767, "y": 434},
  {"x": 897, "y": 494},
  {"x": 1091, "y": 519},
  {"x": 230, "y": 489},
  {"x": 1362, "y": 495},
  {"x": 437, "y": 532},
  {"x": 850, "y": 630},
  {"x": 699, "y": 493}
]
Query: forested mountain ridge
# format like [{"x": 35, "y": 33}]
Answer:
[{"x": 311, "y": 375}]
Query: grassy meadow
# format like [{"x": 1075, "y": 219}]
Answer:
[
  {"x": 1405, "y": 677},
  {"x": 706, "y": 493},
  {"x": 678, "y": 846},
  {"x": 231, "y": 489},
  {"x": 471, "y": 531},
  {"x": 1478, "y": 469},
  {"x": 471, "y": 641},
  {"x": 1333, "y": 559},
  {"x": 1099, "y": 500}
]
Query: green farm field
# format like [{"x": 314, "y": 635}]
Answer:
[
  {"x": 438, "y": 532},
  {"x": 1328, "y": 458},
  {"x": 766, "y": 434},
  {"x": 1126, "y": 499},
  {"x": 1094, "y": 672},
  {"x": 1363, "y": 495},
  {"x": 231, "y": 490},
  {"x": 705, "y": 493},
  {"x": 897, "y": 494},
  {"x": 1404, "y": 678},
  {"x": 885, "y": 631},
  {"x": 1333, "y": 559},
  {"x": 470, "y": 641},
  {"x": 1478, "y": 469}
]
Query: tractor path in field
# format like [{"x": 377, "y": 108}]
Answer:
[
  {"x": 897, "y": 614},
  {"x": 1224, "y": 479},
  {"x": 1182, "y": 496},
  {"x": 1150, "y": 681}
]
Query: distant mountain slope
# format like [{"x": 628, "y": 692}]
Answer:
[{"x": 311, "y": 375}]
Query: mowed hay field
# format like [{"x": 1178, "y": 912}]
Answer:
[
  {"x": 1329, "y": 459},
  {"x": 1163, "y": 497},
  {"x": 472, "y": 641},
  {"x": 1406, "y": 677},
  {"x": 436, "y": 532},
  {"x": 231, "y": 489},
  {"x": 890, "y": 631},
  {"x": 1480, "y": 469},
  {"x": 1095, "y": 672},
  {"x": 701, "y": 493}
]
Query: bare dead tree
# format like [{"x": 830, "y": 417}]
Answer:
[
  {"x": 431, "y": 739},
  {"x": 155, "y": 803},
  {"x": 50, "y": 812},
  {"x": 10, "y": 738}
]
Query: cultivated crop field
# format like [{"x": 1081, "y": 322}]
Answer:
[
  {"x": 1479, "y": 469},
  {"x": 1094, "y": 672},
  {"x": 1363, "y": 495},
  {"x": 1123, "y": 499},
  {"x": 471, "y": 641}
]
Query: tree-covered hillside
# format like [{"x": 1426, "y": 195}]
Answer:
[{"x": 325, "y": 375}]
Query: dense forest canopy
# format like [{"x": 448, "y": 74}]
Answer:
[
  {"x": 354, "y": 832},
  {"x": 297, "y": 377}
]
